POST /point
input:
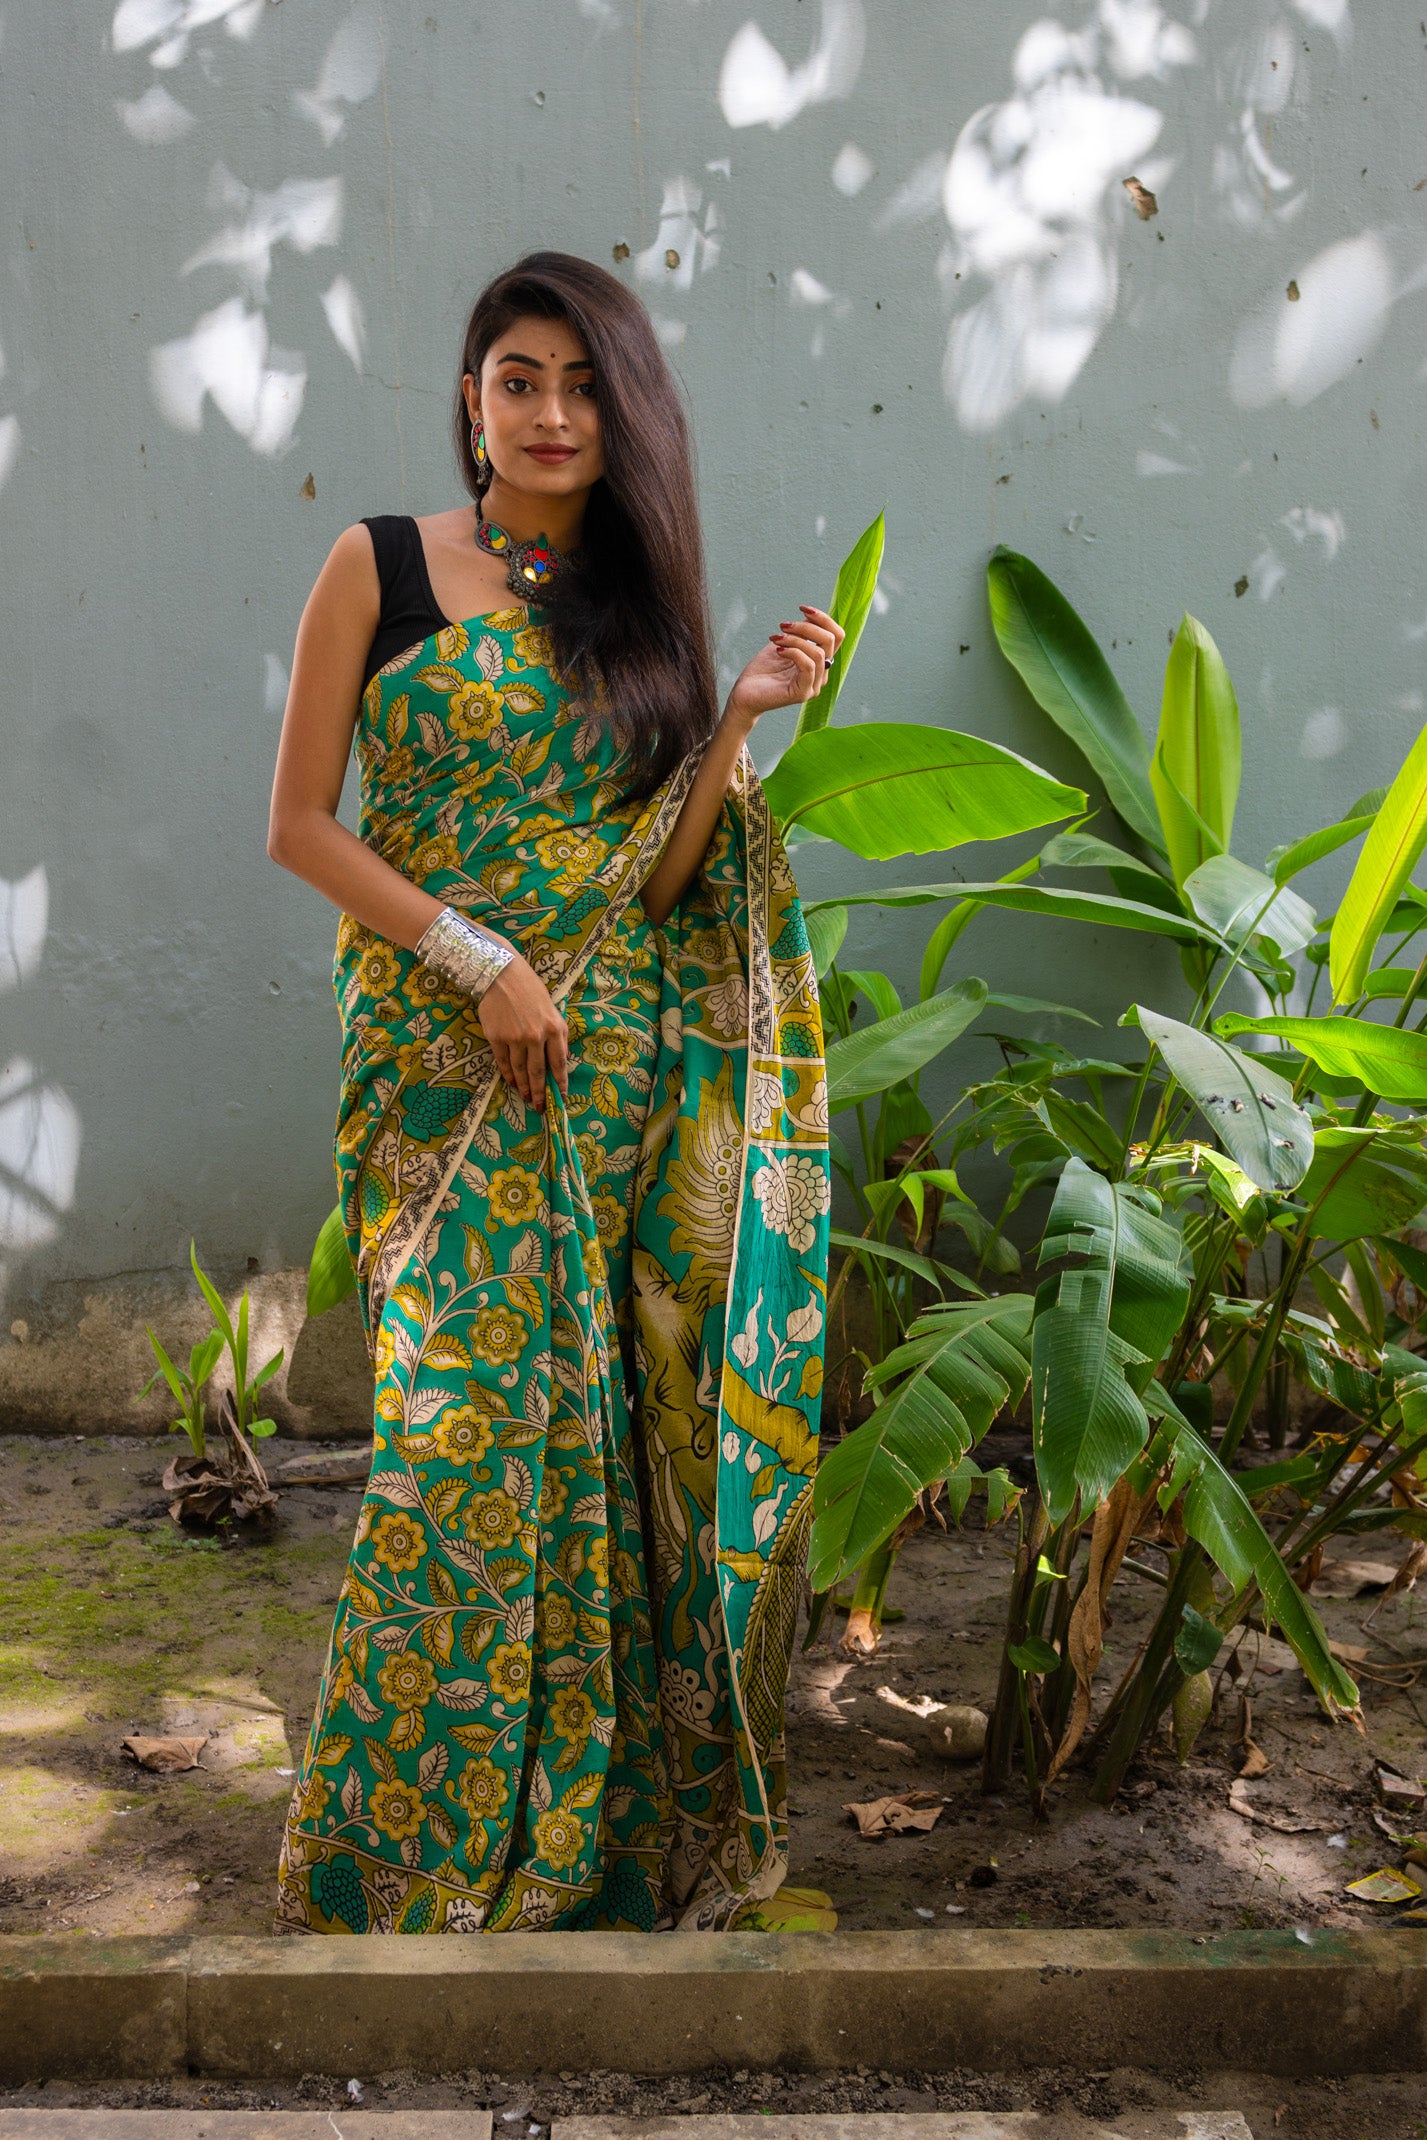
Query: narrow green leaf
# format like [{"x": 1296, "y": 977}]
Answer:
[
  {"x": 1385, "y": 866},
  {"x": 851, "y": 602},
  {"x": 1068, "y": 676},
  {"x": 1035, "y": 1006},
  {"x": 330, "y": 1276},
  {"x": 1220, "y": 1516},
  {"x": 827, "y": 926},
  {"x": 1383, "y": 1058},
  {"x": 214, "y": 1299},
  {"x": 1195, "y": 767},
  {"x": 906, "y": 1258},
  {"x": 901, "y": 787},
  {"x": 1056, "y": 901},
  {"x": 167, "y": 1369},
  {"x": 1249, "y": 1106},
  {"x": 1314, "y": 845},
  {"x": 897, "y": 1047}
]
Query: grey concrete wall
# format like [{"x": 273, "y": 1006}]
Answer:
[{"x": 240, "y": 237}]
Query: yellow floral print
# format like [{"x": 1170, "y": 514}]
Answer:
[
  {"x": 572, "y": 1713},
  {"x": 463, "y": 1435},
  {"x": 499, "y": 1335},
  {"x": 515, "y": 1195},
  {"x": 407, "y": 1681},
  {"x": 559, "y": 1837},
  {"x": 483, "y": 1789},
  {"x": 473, "y": 711},
  {"x": 509, "y": 1671},
  {"x": 443, "y": 852},
  {"x": 491, "y": 1520},
  {"x": 397, "y": 1810},
  {"x": 398, "y": 1543}
]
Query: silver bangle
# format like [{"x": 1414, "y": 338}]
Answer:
[{"x": 463, "y": 953}]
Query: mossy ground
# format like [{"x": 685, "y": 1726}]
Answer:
[{"x": 112, "y": 1621}]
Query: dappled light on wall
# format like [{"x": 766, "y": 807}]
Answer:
[
  {"x": 757, "y": 87},
  {"x": 228, "y": 357},
  {"x": 166, "y": 27},
  {"x": 39, "y": 1124},
  {"x": 1034, "y": 195},
  {"x": 350, "y": 71},
  {"x": 1312, "y": 332}
]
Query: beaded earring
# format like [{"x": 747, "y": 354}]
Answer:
[{"x": 479, "y": 455}]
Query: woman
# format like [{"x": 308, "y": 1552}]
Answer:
[{"x": 583, "y": 1131}]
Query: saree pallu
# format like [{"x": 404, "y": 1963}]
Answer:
[{"x": 553, "y": 1696}]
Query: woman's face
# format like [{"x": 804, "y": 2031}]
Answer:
[{"x": 536, "y": 400}]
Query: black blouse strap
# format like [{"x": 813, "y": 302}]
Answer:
[{"x": 408, "y": 607}]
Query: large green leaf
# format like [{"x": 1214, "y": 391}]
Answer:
[
  {"x": 1068, "y": 676},
  {"x": 851, "y": 601},
  {"x": 897, "y": 1047},
  {"x": 1389, "y": 856},
  {"x": 902, "y": 787},
  {"x": 1195, "y": 768},
  {"x": 330, "y": 1276},
  {"x": 1057, "y": 901},
  {"x": 959, "y": 1368},
  {"x": 1241, "y": 902},
  {"x": 1364, "y": 1181},
  {"x": 1382, "y": 1058},
  {"x": 1100, "y": 1331},
  {"x": 1220, "y": 1516},
  {"x": 1251, "y": 1107}
]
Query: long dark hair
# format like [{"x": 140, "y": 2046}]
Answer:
[{"x": 637, "y": 612}]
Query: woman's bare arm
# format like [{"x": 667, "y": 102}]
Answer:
[
  {"x": 688, "y": 843},
  {"x": 322, "y": 704},
  {"x": 790, "y": 670},
  {"x": 527, "y": 1034}
]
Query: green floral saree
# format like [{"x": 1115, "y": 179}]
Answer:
[{"x": 554, "y": 1692}]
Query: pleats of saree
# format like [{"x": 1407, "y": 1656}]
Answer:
[{"x": 553, "y": 1696}]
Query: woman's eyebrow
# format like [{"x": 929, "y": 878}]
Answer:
[{"x": 576, "y": 364}]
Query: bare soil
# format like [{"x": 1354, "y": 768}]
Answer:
[
  {"x": 113, "y": 1622},
  {"x": 1366, "y": 2107}
]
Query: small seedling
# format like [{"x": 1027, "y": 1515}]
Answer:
[{"x": 187, "y": 1388}]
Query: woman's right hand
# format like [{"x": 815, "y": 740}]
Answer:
[{"x": 528, "y": 1036}]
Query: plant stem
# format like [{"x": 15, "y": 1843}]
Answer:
[
  {"x": 1142, "y": 1704},
  {"x": 1001, "y": 1738}
]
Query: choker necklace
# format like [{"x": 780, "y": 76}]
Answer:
[{"x": 533, "y": 565}]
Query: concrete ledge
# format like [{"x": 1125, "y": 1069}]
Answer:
[
  {"x": 106, "y": 2124},
  {"x": 107, "y": 2008},
  {"x": 526, "y": 2002}
]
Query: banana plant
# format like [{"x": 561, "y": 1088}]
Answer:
[{"x": 1206, "y": 1191}]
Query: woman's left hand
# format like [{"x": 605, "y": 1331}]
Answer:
[{"x": 791, "y": 669}]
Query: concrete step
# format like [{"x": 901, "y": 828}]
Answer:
[
  {"x": 97, "y": 2123},
  {"x": 914, "y": 2125},
  {"x": 1261, "y": 2002},
  {"x": 353, "y": 2124}
]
